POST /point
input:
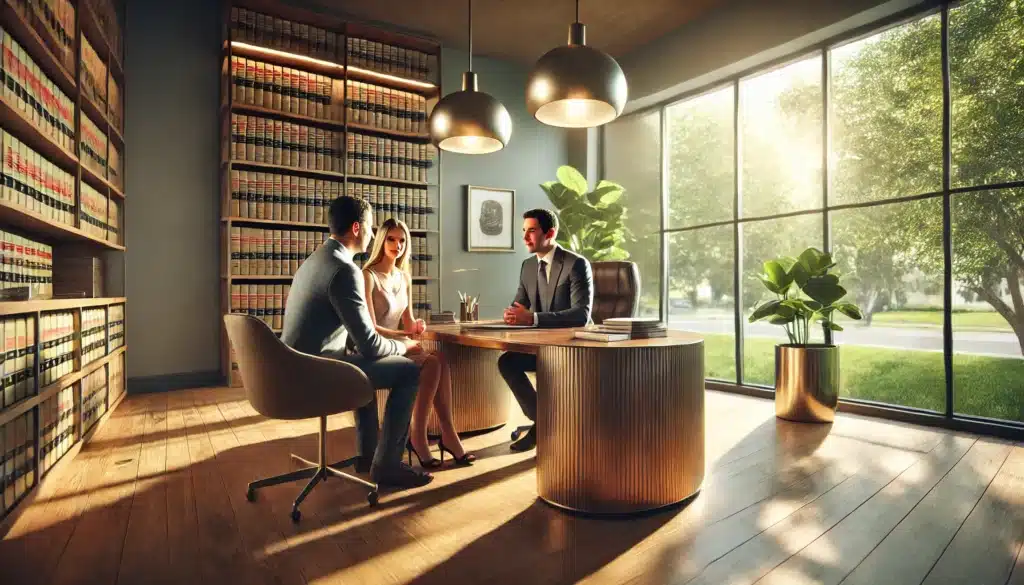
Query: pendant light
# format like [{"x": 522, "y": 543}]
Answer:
[
  {"x": 576, "y": 86},
  {"x": 470, "y": 121}
]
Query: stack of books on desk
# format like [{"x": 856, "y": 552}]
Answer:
[{"x": 623, "y": 329}]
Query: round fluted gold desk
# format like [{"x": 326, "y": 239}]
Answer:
[{"x": 620, "y": 426}]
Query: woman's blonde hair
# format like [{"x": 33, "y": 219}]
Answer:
[{"x": 377, "y": 250}]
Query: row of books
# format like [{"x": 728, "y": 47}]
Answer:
[
  {"x": 284, "y": 89},
  {"x": 270, "y": 252},
  {"x": 94, "y": 334},
  {"x": 57, "y": 417},
  {"x": 100, "y": 216},
  {"x": 106, "y": 13},
  {"x": 27, "y": 89},
  {"x": 263, "y": 301},
  {"x": 33, "y": 183},
  {"x": 17, "y": 459},
  {"x": 93, "y": 75},
  {"x": 259, "y": 195},
  {"x": 115, "y": 169},
  {"x": 388, "y": 158},
  {"x": 92, "y": 149},
  {"x": 115, "y": 111},
  {"x": 18, "y": 334},
  {"x": 115, "y": 327},
  {"x": 624, "y": 329},
  {"x": 384, "y": 107},
  {"x": 54, "y": 21},
  {"x": 94, "y": 398},
  {"x": 420, "y": 256},
  {"x": 390, "y": 59},
  {"x": 272, "y": 32},
  {"x": 24, "y": 262},
  {"x": 409, "y": 204},
  {"x": 261, "y": 140},
  {"x": 56, "y": 346}
]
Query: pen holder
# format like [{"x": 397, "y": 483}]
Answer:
[{"x": 466, "y": 315}]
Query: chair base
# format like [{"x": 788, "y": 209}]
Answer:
[{"x": 315, "y": 473}]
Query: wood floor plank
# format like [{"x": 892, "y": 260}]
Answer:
[
  {"x": 908, "y": 553},
  {"x": 996, "y": 525},
  {"x": 182, "y": 519}
]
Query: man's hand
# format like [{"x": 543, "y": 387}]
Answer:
[
  {"x": 419, "y": 326},
  {"x": 518, "y": 315},
  {"x": 412, "y": 346}
]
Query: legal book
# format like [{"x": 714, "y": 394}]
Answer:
[{"x": 601, "y": 336}]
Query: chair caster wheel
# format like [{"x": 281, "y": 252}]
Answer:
[
  {"x": 250, "y": 494},
  {"x": 296, "y": 515},
  {"x": 372, "y": 498}
]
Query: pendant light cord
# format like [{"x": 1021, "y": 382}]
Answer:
[
  {"x": 577, "y": 10},
  {"x": 470, "y": 2}
]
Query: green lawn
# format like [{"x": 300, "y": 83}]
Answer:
[
  {"x": 986, "y": 320},
  {"x": 984, "y": 386}
]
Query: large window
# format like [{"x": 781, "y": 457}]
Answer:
[{"x": 924, "y": 220}]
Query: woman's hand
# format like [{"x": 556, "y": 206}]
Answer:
[{"x": 419, "y": 326}]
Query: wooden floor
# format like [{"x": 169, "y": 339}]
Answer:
[{"x": 158, "y": 496}]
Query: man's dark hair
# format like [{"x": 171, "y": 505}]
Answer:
[
  {"x": 345, "y": 211},
  {"x": 545, "y": 218}
]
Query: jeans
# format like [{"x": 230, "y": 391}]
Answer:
[{"x": 402, "y": 376}]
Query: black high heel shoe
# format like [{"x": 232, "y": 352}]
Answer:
[
  {"x": 429, "y": 463},
  {"x": 465, "y": 460}
]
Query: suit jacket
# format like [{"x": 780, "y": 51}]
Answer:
[
  {"x": 326, "y": 308},
  {"x": 572, "y": 296}
]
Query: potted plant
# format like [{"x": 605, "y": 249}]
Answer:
[
  {"x": 806, "y": 374},
  {"x": 590, "y": 222}
]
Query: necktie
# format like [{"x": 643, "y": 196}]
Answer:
[{"x": 543, "y": 272}]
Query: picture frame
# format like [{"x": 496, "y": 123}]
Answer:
[{"x": 490, "y": 219}]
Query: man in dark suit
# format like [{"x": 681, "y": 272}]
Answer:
[
  {"x": 556, "y": 289},
  {"x": 326, "y": 315}
]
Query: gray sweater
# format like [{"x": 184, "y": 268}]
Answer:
[{"x": 326, "y": 308}]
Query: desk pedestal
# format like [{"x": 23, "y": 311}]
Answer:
[
  {"x": 619, "y": 430},
  {"x": 480, "y": 397}
]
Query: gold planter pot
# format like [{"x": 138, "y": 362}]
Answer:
[{"x": 806, "y": 382}]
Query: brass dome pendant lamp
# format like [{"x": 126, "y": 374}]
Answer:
[
  {"x": 576, "y": 86},
  {"x": 470, "y": 121}
]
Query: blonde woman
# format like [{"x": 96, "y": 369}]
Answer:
[{"x": 387, "y": 279}]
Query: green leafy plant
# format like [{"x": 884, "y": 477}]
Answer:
[
  {"x": 590, "y": 222},
  {"x": 806, "y": 292}
]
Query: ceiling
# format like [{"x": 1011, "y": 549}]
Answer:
[{"x": 523, "y": 30}]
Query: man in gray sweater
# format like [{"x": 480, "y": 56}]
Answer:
[{"x": 326, "y": 315}]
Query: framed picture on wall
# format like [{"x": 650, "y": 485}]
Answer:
[{"x": 490, "y": 219}]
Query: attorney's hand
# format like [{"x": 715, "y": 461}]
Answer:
[
  {"x": 412, "y": 346},
  {"x": 518, "y": 315},
  {"x": 419, "y": 326}
]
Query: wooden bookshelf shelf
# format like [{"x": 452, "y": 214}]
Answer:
[
  {"x": 92, "y": 31},
  {"x": 19, "y": 28},
  {"x": 97, "y": 114},
  {"x": 99, "y": 183},
  {"x": 46, "y": 392},
  {"x": 355, "y": 46},
  {"x": 116, "y": 134},
  {"x": 27, "y": 131},
  {"x": 32, "y": 306},
  {"x": 287, "y": 170},
  {"x": 48, "y": 229}
]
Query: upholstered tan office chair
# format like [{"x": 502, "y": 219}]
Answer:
[
  {"x": 282, "y": 383},
  {"x": 616, "y": 290}
]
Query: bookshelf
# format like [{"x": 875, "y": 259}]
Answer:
[
  {"x": 314, "y": 107},
  {"x": 62, "y": 203}
]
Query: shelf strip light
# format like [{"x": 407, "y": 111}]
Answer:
[{"x": 267, "y": 51}]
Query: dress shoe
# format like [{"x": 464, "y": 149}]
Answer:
[
  {"x": 527, "y": 441},
  {"x": 400, "y": 476}
]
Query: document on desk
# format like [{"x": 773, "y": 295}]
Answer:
[{"x": 493, "y": 326}]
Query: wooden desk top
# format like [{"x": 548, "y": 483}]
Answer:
[{"x": 528, "y": 340}]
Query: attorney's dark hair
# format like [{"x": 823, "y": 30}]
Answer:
[
  {"x": 345, "y": 211},
  {"x": 545, "y": 218}
]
